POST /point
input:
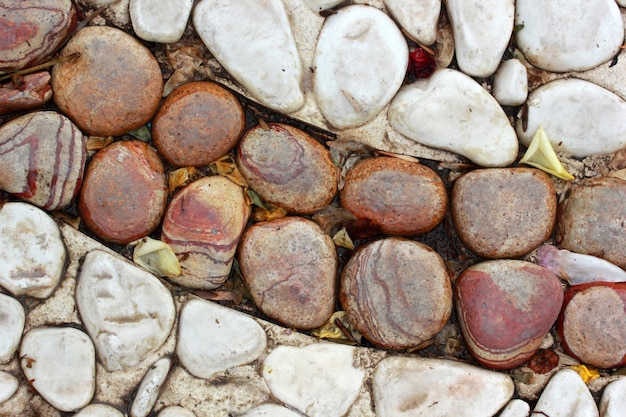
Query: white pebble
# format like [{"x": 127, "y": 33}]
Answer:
[
  {"x": 418, "y": 17},
  {"x": 516, "y": 408},
  {"x": 99, "y": 410},
  {"x": 150, "y": 387},
  {"x": 613, "y": 401},
  {"x": 319, "y": 5},
  {"x": 270, "y": 410},
  {"x": 162, "y": 21},
  {"x": 12, "y": 318},
  {"x": 8, "y": 386},
  {"x": 510, "y": 85},
  {"x": 566, "y": 395}
]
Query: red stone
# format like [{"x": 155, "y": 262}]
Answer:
[{"x": 25, "y": 92}]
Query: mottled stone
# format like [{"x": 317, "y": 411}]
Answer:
[
  {"x": 162, "y": 21},
  {"x": 566, "y": 395},
  {"x": 12, "y": 318},
  {"x": 25, "y": 93},
  {"x": 99, "y": 410},
  {"x": 150, "y": 387},
  {"x": 510, "y": 85},
  {"x": 613, "y": 401},
  {"x": 270, "y": 410},
  {"x": 418, "y": 17},
  {"x": 8, "y": 386}
]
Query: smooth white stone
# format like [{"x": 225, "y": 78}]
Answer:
[
  {"x": 572, "y": 35},
  {"x": 566, "y": 395},
  {"x": 435, "y": 387},
  {"x": 451, "y": 111},
  {"x": 270, "y": 410},
  {"x": 8, "y": 386},
  {"x": 482, "y": 29},
  {"x": 127, "y": 311},
  {"x": 361, "y": 58},
  {"x": 318, "y": 380},
  {"x": 162, "y": 21},
  {"x": 253, "y": 40},
  {"x": 99, "y": 410},
  {"x": 32, "y": 253},
  {"x": 510, "y": 84},
  {"x": 418, "y": 17},
  {"x": 12, "y": 318},
  {"x": 613, "y": 401},
  {"x": 175, "y": 411},
  {"x": 579, "y": 117},
  {"x": 319, "y": 5},
  {"x": 60, "y": 363},
  {"x": 150, "y": 387},
  {"x": 212, "y": 338},
  {"x": 516, "y": 408}
]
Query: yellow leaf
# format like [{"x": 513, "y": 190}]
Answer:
[
  {"x": 157, "y": 257},
  {"x": 540, "y": 154},
  {"x": 342, "y": 239},
  {"x": 587, "y": 374},
  {"x": 265, "y": 215},
  {"x": 181, "y": 177},
  {"x": 334, "y": 332},
  {"x": 227, "y": 167}
]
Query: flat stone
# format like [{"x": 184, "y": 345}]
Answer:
[
  {"x": 451, "y": 111},
  {"x": 268, "y": 66},
  {"x": 361, "y": 58},
  {"x": 8, "y": 386},
  {"x": 516, "y": 408},
  {"x": 578, "y": 37},
  {"x": 212, "y": 338},
  {"x": 175, "y": 411},
  {"x": 12, "y": 318},
  {"x": 99, "y": 410},
  {"x": 127, "y": 311},
  {"x": 42, "y": 159},
  {"x": 32, "y": 253},
  {"x": 160, "y": 21},
  {"x": 510, "y": 85},
  {"x": 579, "y": 117},
  {"x": 301, "y": 377},
  {"x": 421, "y": 387},
  {"x": 418, "y": 17},
  {"x": 150, "y": 387},
  {"x": 60, "y": 363},
  {"x": 566, "y": 395},
  {"x": 613, "y": 401},
  {"x": 270, "y": 410}
]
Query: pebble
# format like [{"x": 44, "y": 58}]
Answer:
[
  {"x": 288, "y": 168},
  {"x": 99, "y": 410},
  {"x": 12, "y": 318},
  {"x": 505, "y": 212},
  {"x": 32, "y": 252},
  {"x": 42, "y": 159},
  {"x": 320, "y": 5},
  {"x": 60, "y": 364},
  {"x": 83, "y": 86},
  {"x": 176, "y": 411},
  {"x": 578, "y": 37},
  {"x": 451, "y": 111},
  {"x": 396, "y": 292},
  {"x": 150, "y": 387},
  {"x": 197, "y": 124},
  {"x": 8, "y": 386},
  {"x": 481, "y": 33},
  {"x": 510, "y": 84},
  {"x": 613, "y": 401},
  {"x": 127, "y": 312},
  {"x": 319, "y": 380},
  {"x": 124, "y": 192},
  {"x": 418, "y": 17},
  {"x": 400, "y": 197},
  {"x": 202, "y": 225},
  {"x": 361, "y": 58},
  {"x": 418, "y": 386},
  {"x": 268, "y": 66},
  {"x": 566, "y": 395},
  {"x": 25, "y": 93},
  {"x": 160, "y": 21},
  {"x": 579, "y": 117},
  {"x": 516, "y": 408},
  {"x": 212, "y": 338},
  {"x": 270, "y": 410}
]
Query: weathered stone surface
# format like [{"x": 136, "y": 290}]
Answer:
[
  {"x": 510, "y": 85},
  {"x": 24, "y": 93},
  {"x": 566, "y": 395},
  {"x": 12, "y": 318},
  {"x": 418, "y": 17},
  {"x": 99, "y": 410},
  {"x": 162, "y": 21},
  {"x": 613, "y": 401},
  {"x": 150, "y": 387},
  {"x": 8, "y": 386}
]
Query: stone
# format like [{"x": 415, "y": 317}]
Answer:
[
  {"x": 32, "y": 30},
  {"x": 158, "y": 20},
  {"x": 8, "y": 386},
  {"x": 42, "y": 159},
  {"x": 505, "y": 308},
  {"x": 124, "y": 192},
  {"x": 516, "y": 408},
  {"x": 150, "y": 387},
  {"x": 415, "y": 386},
  {"x": 60, "y": 364},
  {"x": 418, "y": 17},
  {"x": 268, "y": 66},
  {"x": 12, "y": 318},
  {"x": 481, "y": 33},
  {"x": 290, "y": 267},
  {"x": 574, "y": 37},
  {"x": 85, "y": 85},
  {"x": 398, "y": 196},
  {"x": 613, "y": 400},
  {"x": 212, "y": 338},
  {"x": 301, "y": 377},
  {"x": 197, "y": 124},
  {"x": 270, "y": 410},
  {"x": 176, "y": 411},
  {"x": 287, "y": 168},
  {"x": 360, "y": 61},
  {"x": 203, "y": 225},
  {"x": 99, "y": 410},
  {"x": 504, "y": 212},
  {"x": 510, "y": 84},
  {"x": 25, "y": 93},
  {"x": 32, "y": 253},
  {"x": 396, "y": 292},
  {"x": 580, "y": 118},
  {"x": 127, "y": 312},
  {"x": 451, "y": 111},
  {"x": 566, "y": 395}
]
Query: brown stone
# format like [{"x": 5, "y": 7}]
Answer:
[{"x": 24, "y": 93}]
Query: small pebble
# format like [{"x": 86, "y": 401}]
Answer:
[
  {"x": 516, "y": 408},
  {"x": 613, "y": 401},
  {"x": 175, "y": 411},
  {"x": 8, "y": 386},
  {"x": 272, "y": 410},
  {"x": 162, "y": 21},
  {"x": 99, "y": 410},
  {"x": 150, "y": 388},
  {"x": 566, "y": 395},
  {"x": 12, "y": 318},
  {"x": 418, "y": 17},
  {"x": 510, "y": 85}
]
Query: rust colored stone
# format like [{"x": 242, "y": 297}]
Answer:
[{"x": 24, "y": 93}]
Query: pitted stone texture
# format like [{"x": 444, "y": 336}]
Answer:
[
  {"x": 566, "y": 395},
  {"x": 418, "y": 17},
  {"x": 613, "y": 401},
  {"x": 272, "y": 410},
  {"x": 510, "y": 85},
  {"x": 175, "y": 411},
  {"x": 150, "y": 387},
  {"x": 99, "y": 410},
  {"x": 162, "y": 21},
  {"x": 8, "y": 386},
  {"x": 12, "y": 318},
  {"x": 127, "y": 311}
]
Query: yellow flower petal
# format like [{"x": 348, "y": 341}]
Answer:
[
  {"x": 587, "y": 374},
  {"x": 540, "y": 154}
]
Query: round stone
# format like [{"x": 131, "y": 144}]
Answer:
[
  {"x": 99, "y": 410},
  {"x": 197, "y": 124},
  {"x": 401, "y": 197},
  {"x": 288, "y": 168},
  {"x": 113, "y": 86},
  {"x": 504, "y": 213},
  {"x": 124, "y": 192},
  {"x": 12, "y": 318},
  {"x": 8, "y": 386},
  {"x": 510, "y": 85},
  {"x": 396, "y": 292}
]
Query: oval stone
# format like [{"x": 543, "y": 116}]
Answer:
[
  {"x": 99, "y": 410},
  {"x": 418, "y": 17},
  {"x": 396, "y": 292},
  {"x": 505, "y": 308},
  {"x": 510, "y": 85},
  {"x": 613, "y": 401},
  {"x": 124, "y": 192},
  {"x": 12, "y": 318},
  {"x": 150, "y": 388},
  {"x": 288, "y": 168},
  {"x": 402, "y": 197},
  {"x": 566, "y": 395},
  {"x": 197, "y": 124},
  {"x": 8, "y": 386},
  {"x": 290, "y": 267},
  {"x": 162, "y": 21},
  {"x": 361, "y": 58},
  {"x": 504, "y": 213}
]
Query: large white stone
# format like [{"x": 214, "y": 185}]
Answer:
[
  {"x": 12, "y": 318},
  {"x": 418, "y": 17},
  {"x": 150, "y": 387},
  {"x": 319, "y": 380},
  {"x": 451, "y": 111},
  {"x": 99, "y": 410},
  {"x": 253, "y": 40},
  {"x": 162, "y": 21},
  {"x": 566, "y": 395},
  {"x": 613, "y": 401},
  {"x": 568, "y": 35},
  {"x": 361, "y": 58},
  {"x": 516, "y": 408},
  {"x": 8, "y": 386},
  {"x": 579, "y": 117},
  {"x": 510, "y": 85},
  {"x": 270, "y": 410},
  {"x": 127, "y": 311}
]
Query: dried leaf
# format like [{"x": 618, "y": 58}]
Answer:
[
  {"x": 181, "y": 177},
  {"x": 336, "y": 328},
  {"x": 331, "y": 218},
  {"x": 227, "y": 167},
  {"x": 95, "y": 143},
  {"x": 399, "y": 156},
  {"x": 66, "y": 218},
  {"x": 543, "y": 361},
  {"x": 255, "y": 199},
  {"x": 587, "y": 374},
  {"x": 216, "y": 295},
  {"x": 142, "y": 133},
  {"x": 265, "y": 215},
  {"x": 157, "y": 257},
  {"x": 445, "y": 46},
  {"x": 342, "y": 239}
]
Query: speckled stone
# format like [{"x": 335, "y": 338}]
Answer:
[
  {"x": 150, "y": 387},
  {"x": 12, "y": 318}
]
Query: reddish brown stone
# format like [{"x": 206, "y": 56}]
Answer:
[{"x": 24, "y": 93}]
